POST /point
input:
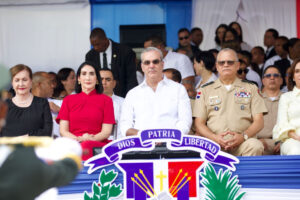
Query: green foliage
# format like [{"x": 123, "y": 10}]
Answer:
[
  {"x": 104, "y": 190},
  {"x": 115, "y": 190},
  {"x": 221, "y": 186},
  {"x": 107, "y": 177},
  {"x": 86, "y": 196}
]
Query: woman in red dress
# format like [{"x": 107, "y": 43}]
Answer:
[{"x": 88, "y": 115}]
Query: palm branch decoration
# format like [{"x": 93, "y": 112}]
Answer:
[
  {"x": 220, "y": 186},
  {"x": 104, "y": 190}
]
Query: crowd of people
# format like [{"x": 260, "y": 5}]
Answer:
[{"x": 242, "y": 97}]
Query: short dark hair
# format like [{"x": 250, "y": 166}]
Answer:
[
  {"x": 286, "y": 41},
  {"x": 108, "y": 70},
  {"x": 183, "y": 30},
  {"x": 98, "y": 87},
  {"x": 208, "y": 59},
  {"x": 176, "y": 75},
  {"x": 247, "y": 54},
  {"x": 261, "y": 50},
  {"x": 271, "y": 66},
  {"x": 216, "y": 32},
  {"x": 155, "y": 40},
  {"x": 213, "y": 51},
  {"x": 274, "y": 32},
  {"x": 196, "y": 29},
  {"x": 292, "y": 42},
  {"x": 98, "y": 33}
]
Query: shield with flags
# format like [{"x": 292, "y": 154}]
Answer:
[{"x": 161, "y": 179}]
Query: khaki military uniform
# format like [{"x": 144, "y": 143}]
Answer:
[
  {"x": 231, "y": 110},
  {"x": 270, "y": 120}
]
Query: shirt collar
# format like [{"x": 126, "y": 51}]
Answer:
[
  {"x": 108, "y": 50},
  {"x": 237, "y": 82},
  {"x": 266, "y": 96},
  {"x": 90, "y": 94},
  {"x": 163, "y": 81},
  {"x": 296, "y": 91}
]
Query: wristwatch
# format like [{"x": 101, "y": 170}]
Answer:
[{"x": 245, "y": 136}]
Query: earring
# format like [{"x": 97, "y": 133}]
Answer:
[
  {"x": 97, "y": 83},
  {"x": 79, "y": 83}
]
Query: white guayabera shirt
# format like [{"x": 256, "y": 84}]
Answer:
[{"x": 168, "y": 107}]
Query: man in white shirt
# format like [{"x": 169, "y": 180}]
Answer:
[
  {"x": 174, "y": 60},
  {"x": 109, "y": 83},
  {"x": 157, "y": 102}
]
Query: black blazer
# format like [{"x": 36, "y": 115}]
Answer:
[
  {"x": 122, "y": 65},
  {"x": 271, "y": 54}
]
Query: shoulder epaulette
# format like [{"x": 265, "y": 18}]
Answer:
[
  {"x": 248, "y": 81},
  {"x": 206, "y": 84}
]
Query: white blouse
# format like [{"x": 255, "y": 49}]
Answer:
[{"x": 288, "y": 117}]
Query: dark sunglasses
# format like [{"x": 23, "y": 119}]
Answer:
[
  {"x": 229, "y": 62},
  {"x": 185, "y": 37},
  {"x": 275, "y": 75},
  {"x": 240, "y": 71},
  {"x": 148, "y": 62}
]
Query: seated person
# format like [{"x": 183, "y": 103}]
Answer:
[
  {"x": 287, "y": 128},
  {"x": 242, "y": 72},
  {"x": 230, "y": 111},
  {"x": 272, "y": 81},
  {"x": 204, "y": 63},
  {"x": 88, "y": 115},
  {"x": 109, "y": 83},
  {"x": 42, "y": 86},
  {"x": 173, "y": 74},
  {"x": 65, "y": 83},
  {"x": 21, "y": 162},
  {"x": 174, "y": 60},
  {"x": 156, "y": 103},
  {"x": 27, "y": 115}
]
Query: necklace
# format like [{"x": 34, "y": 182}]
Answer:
[{"x": 28, "y": 99}]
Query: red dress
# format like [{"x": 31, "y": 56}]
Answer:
[{"x": 86, "y": 113}]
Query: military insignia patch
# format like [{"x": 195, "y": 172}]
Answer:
[{"x": 198, "y": 95}]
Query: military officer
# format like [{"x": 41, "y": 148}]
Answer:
[{"x": 230, "y": 111}]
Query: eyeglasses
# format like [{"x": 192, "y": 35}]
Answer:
[
  {"x": 240, "y": 71},
  {"x": 229, "y": 62},
  {"x": 148, "y": 62},
  {"x": 275, "y": 75},
  {"x": 183, "y": 38}
]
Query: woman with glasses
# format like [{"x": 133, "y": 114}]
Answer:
[
  {"x": 88, "y": 115},
  {"x": 287, "y": 128},
  {"x": 204, "y": 63}
]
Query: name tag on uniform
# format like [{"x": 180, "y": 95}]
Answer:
[{"x": 214, "y": 100}]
